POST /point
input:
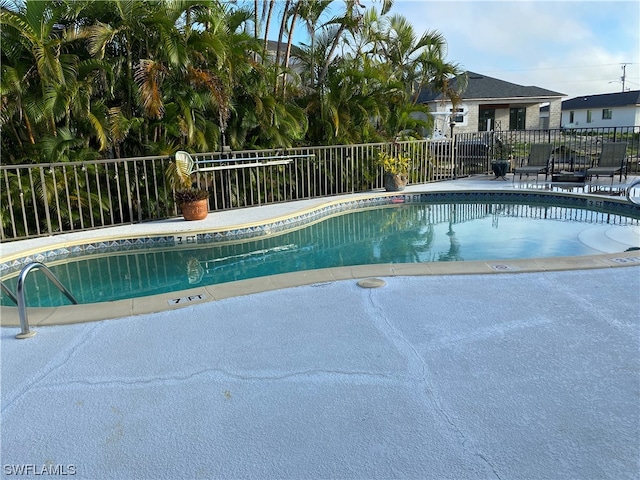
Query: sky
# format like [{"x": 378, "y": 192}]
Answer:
[{"x": 571, "y": 47}]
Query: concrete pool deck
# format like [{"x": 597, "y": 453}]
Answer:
[{"x": 528, "y": 375}]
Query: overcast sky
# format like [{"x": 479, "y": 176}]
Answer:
[{"x": 571, "y": 47}]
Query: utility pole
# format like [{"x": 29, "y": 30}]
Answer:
[{"x": 624, "y": 74}]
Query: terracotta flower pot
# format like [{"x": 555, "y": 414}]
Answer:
[
  {"x": 197, "y": 210},
  {"x": 395, "y": 182}
]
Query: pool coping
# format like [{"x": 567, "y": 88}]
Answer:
[
  {"x": 44, "y": 316},
  {"x": 69, "y": 314}
]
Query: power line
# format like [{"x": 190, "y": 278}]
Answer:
[{"x": 560, "y": 68}]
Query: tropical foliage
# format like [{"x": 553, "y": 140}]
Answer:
[
  {"x": 190, "y": 195},
  {"x": 394, "y": 165},
  {"x": 87, "y": 79}
]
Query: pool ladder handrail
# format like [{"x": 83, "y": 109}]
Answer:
[
  {"x": 631, "y": 187},
  {"x": 8, "y": 292},
  {"x": 21, "y": 300}
]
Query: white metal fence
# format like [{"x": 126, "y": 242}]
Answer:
[{"x": 48, "y": 199}]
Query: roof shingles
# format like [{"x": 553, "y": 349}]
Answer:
[
  {"x": 605, "y": 100},
  {"x": 481, "y": 87}
]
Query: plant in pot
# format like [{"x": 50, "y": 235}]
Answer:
[
  {"x": 396, "y": 171},
  {"x": 193, "y": 202},
  {"x": 501, "y": 158}
]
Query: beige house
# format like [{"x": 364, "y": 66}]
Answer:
[{"x": 492, "y": 104}]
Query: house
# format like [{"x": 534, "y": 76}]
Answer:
[
  {"x": 294, "y": 60},
  {"x": 620, "y": 109},
  {"x": 492, "y": 104}
]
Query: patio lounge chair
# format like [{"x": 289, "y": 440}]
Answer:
[
  {"x": 538, "y": 162},
  {"x": 610, "y": 161}
]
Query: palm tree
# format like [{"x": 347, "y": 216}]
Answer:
[
  {"x": 265, "y": 17},
  {"x": 133, "y": 77},
  {"x": 49, "y": 77},
  {"x": 417, "y": 62},
  {"x": 350, "y": 21},
  {"x": 311, "y": 11},
  {"x": 122, "y": 31},
  {"x": 19, "y": 106},
  {"x": 33, "y": 54},
  {"x": 281, "y": 33}
]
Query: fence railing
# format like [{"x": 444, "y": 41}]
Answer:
[
  {"x": 48, "y": 199},
  {"x": 573, "y": 149}
]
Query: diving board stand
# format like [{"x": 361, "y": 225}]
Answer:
[{"x": 192, "y": 166}]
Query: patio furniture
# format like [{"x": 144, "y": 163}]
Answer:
[
  {"x": 610, "y": 161},
  {"x": 568, "y": 177},
  {"x": 538, "y": 161}
]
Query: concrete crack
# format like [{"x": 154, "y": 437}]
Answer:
[
  {"x": 226, "y": 375},
  {"x": 58, "y": 362},
  {"x": 413, "y": 356}
]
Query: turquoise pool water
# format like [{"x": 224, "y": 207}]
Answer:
[{"x": 393, "y": 234}]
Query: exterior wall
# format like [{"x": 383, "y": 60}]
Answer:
[
  {"x": 555, "y": 114},
  {"x": 471, "y": 115},
  {"x": 532, "y": 121},
  {"x": 620, "y": 117},
  {"x": 502, "y": 119},
  {"x": 442, "y": 116}
]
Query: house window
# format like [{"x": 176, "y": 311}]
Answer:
[
  {"x": 571, "y": 115},
  {"x": 457, "y": 117},
  {"x": 517, "y": 118},
  {"x": 607, "y": 114},
  {"x": 589, "y": 119},
  {"x": 486, "y": 119}
]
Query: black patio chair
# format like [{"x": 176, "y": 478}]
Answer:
[
  {"x": 611, "y": 161},
  {"x": 539, "y": 161}
]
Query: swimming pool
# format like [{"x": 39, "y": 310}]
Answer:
[{"x": 395, "y": 229}]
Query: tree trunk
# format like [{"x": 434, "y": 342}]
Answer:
[
  {"x": 283, "y": 25},
  {"x": 266, "y": 30},
  {"x": 289, "y": 42}
]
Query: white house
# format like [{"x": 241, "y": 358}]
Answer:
[
  {"x": 492, "y": 104},
  {"x": 606, "y": 110}
]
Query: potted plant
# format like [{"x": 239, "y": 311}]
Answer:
[
  {"x": 396, "y": 171},
  {"x": 502, "y": 158},
  {"x": 193, "y": 202}
]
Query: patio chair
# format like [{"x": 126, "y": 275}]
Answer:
[
  {"x": 610, "y": 161},
  {"x": 538, "y": 162}
]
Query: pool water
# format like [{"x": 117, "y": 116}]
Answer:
[{"x": 394, "y": 234}]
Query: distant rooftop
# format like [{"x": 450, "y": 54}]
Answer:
[
  {"x": 605, "y": 100},
  {"x": 485, "y": 87}
]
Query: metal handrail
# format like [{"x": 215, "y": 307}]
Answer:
[
  {"x": 637, "y": 182},
  {"x": 263, "y": 159},
  {"x": 22, "y": 304},
  {"x": 240, "y": 166},
  {"x": 8, "y": 292}
]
